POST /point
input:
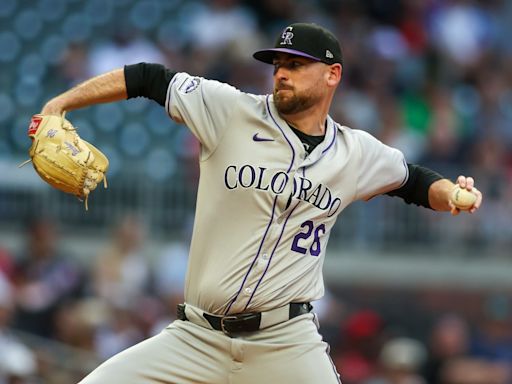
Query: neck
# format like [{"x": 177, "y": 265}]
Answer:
[{"x": 310, "y": 121}]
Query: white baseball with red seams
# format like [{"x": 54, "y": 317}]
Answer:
[{"x": 462, "y": 198}]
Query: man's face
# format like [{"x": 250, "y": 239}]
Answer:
[{"x": 299, "y": 83}]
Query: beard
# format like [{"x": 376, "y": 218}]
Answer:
[{"x": 293, "y": 102}]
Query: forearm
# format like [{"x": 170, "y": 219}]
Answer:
[
  {"x": 439, "y": 195},
  {"x": 104, "y": 88}
]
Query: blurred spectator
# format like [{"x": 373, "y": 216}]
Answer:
[
  {"x": 274, "y": 14},
  {"x": 442, "y": 131},
  {"x": 6, "y": 264},
  {"x": 169, "y": 273},
  {"x": 492, "y": 340},
  {"x": 361, "y": 339},
  {"x": 169, "y": 270},
  {"x": 463, "y": 30},
  {"x": 120, "y": 332},
  {"x": 121, "y": 270},
  {"x": 125, "y": 47},
  {"x": 76, "y": 322},
  {"x": 449, "y": 339},
  {"x": 219, "y": 23},
  {"x": 413, "y": 25},
  {"x": 72, "y": 352},
  {"x": 394, "y": 131},
  {"x": 17, "y": 362},
  {"x": 220, "y": 32},
  {"x": 74, "y": 65},
  {"x": 101, "y": 329},
  {"x": 44, "y": 278},
  {"x": 468, "y": 370},
  {"x": 400, "y": 361},
  {"x": 330, "y": 311}
]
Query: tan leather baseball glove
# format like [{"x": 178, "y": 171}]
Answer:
[{"x": 63, "y": 159}]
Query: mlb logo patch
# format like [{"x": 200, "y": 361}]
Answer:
[
  {"x": 190, "y": 85},
  {"x": 34, "y": 125}
]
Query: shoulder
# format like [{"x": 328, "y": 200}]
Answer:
[
  {"x": 365, "y": 139},
  {"x": 368, "y": 145},
  {"x": 355, "y": 135},
  {"x": 185, "y": 86},
  {"x": 186, "y": 83}
]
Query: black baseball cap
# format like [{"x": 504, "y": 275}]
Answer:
[{"x": 307, "y": 40}]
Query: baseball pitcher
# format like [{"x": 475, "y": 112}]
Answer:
[{"x": 275, "y": 173}]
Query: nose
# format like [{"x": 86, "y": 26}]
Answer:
[{"x": 280, "y": 73}]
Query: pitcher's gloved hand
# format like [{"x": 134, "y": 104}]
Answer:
[{"x": 63, "y": 159}]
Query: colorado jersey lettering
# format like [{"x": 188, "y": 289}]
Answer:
[{"x": 247, "y": 177}]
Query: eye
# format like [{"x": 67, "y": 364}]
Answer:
[{"x": 290, "y": 65}]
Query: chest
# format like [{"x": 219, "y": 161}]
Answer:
[{"x": 265, "y": 163}]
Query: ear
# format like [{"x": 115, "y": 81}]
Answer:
[{"x": 333, "y": 74}]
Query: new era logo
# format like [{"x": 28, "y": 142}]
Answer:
[{"x": 328, "y": 54}]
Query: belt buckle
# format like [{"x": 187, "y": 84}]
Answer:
[{"x": 222, "y": 319}]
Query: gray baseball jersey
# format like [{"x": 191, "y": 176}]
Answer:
[
  {"x": 265, "y": 208},
  {"x": 264, "y": 213}
]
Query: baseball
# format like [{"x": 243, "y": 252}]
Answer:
[{"x": 462, "y": 198}]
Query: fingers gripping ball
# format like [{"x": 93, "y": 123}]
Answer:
[
  {"x": 63, "y": 159},
  {"x": 462, "y": 198}
]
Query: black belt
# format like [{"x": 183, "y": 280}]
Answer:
[{"x": 244, "y": 322}]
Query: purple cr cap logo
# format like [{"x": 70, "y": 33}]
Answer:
[{"x": 287, "y": 36}]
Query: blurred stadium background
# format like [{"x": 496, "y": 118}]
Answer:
[{"x": 412, "y": 296}]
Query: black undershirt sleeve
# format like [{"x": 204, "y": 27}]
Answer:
[
  {"x": 148, "y": 80},
  {"x": 415, "y": 190}
]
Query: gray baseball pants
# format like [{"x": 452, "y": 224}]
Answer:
[{"x": 187, "y": 353}]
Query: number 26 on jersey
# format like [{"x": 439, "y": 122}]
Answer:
[{"x": 302, "y": 238}]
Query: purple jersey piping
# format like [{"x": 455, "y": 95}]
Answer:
[
  {"x": 255, "y": 258},
  {"x": 327, "y": 352},
  {"x": 271, "y": 216},
  {"x": 271, "y": 255},
  {"x": 333, "y": 139},
  {"x": 168, "y": 102},
  {"x": 286, "y": 137},
  {"x": 406, "y": 177}
]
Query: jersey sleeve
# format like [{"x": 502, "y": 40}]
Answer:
[
  {"x": 382, "y": 168},
  {"x": 204, "y": 106}
]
